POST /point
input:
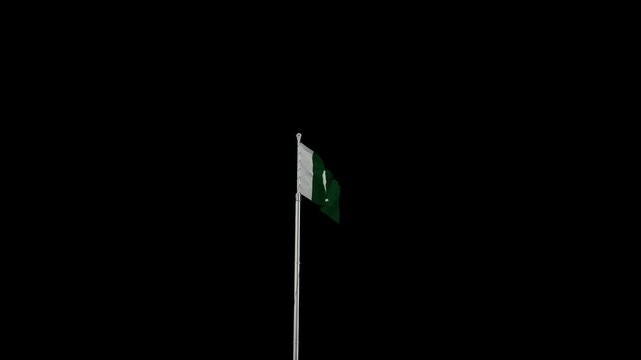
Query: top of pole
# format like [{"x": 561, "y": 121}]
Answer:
[{"x": 298, "y": 136}]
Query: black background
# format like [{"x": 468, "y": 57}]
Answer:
[
  {"x": 167, "y": 197},
  {"x": 181, "y": 240}
]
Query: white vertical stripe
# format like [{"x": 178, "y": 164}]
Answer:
[{"x": 305, "y": 171}]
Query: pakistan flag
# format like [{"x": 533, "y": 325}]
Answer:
[{"x": 317, "y": 183}]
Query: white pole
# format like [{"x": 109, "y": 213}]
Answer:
[{"x": 297, "y": 254}]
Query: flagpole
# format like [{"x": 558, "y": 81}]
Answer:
[{"x": 297, "y": 253}]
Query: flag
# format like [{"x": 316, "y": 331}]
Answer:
[{"x": 317, "y": 183}]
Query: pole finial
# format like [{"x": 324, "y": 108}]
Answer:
[{"x": 298, "y": 136}]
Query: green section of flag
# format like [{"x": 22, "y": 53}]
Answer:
[{"x": 325, "y": 189}]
